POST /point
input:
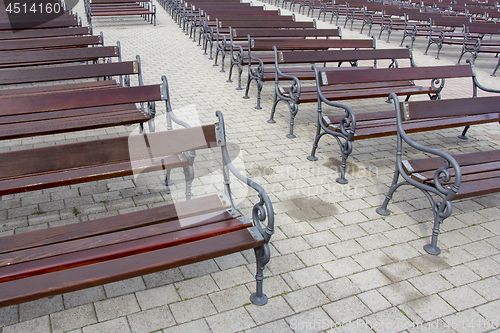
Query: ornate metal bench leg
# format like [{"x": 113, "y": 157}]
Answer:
[
  {"x": 382, "y": 210},
  {"x": 262, "y": 255},
  {"x": 240, "y": 71},
  {"x": 294, "y": 108},
  {"x": 189, "y": 176},
  {"x": 273, "y": 109},
  {"x": 496, "y": 68},
  {"x": 167, "y": 181},
  {"x": 260, "y": 84},
  {"x": 313, "y": 157},
  {"x": 249, "y": 80},
  {"x": 346, "y": 150}
]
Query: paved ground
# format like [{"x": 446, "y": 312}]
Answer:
[{"x": 336, "y": 265}]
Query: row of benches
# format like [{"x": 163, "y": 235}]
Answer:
[
  {"x": 335, "y": 84},
  {"x": 60, "y": 259},
  {"x": 105, "y": 8}
]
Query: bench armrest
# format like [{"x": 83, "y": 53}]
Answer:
[
  {"x": 295, "y": 88},
  {"x": 476, "y": 83},
  {"x": 441, "y": 175},
  {"x": 263, "y": 210}
]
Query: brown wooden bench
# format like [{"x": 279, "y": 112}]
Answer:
[
  {"x": 236, "y": 37},
  {"x": 28, "y": 115},
  {"x": 296, "y": 66},
  {"x": 264, "y": 47},
  {"x": 144, "y": 8},
  {"x": 10, "y": 59},
  {"x": 443, "y": 177},
  {"x": 66, "y": 258},
  {"x": 371, "y": 83},
  {"x": 50, "y": 43}
]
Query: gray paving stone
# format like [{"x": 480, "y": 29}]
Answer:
[
  {"x": 9, "y": 315},
  {"x": 480, "y": 249},
  {"x": 40, "y": 307},
  {"x": 315, "y": 256},
  {"x": 428, "y": 263},
  {"x": 400, "y": 252},
  {"x": 279, "y": 326},
  {"x": 154, "y": 297},
  {"x": 399, "y": 271},
  {"x": 468, "y": 321},
  {"x": 431, "y": 307},
  {"x": 485, "y": 267},
  {"x": 374, "y": 300},
  {"x": 311, "y": 275},
  {"x": 124, "y": 287},
  {"x": 369, "y": 279},
  {"x": 286, "y": 263},
  {"x": 346, "y": 310},
  {"x": 372, "y": 259},
  {"x": 291, "y": 245},
  {"x": 232, "y": 277},
  {"x": 73, "y": 318},
  {"x": 342, "y": 267},
  {"x": 230, "y": 321},
  {"x": 315, "y": 320},
  {"x": 490, "y": 311},
  {"x": 459, "y": 275},
  {"x": 400, "y": 292},
  {"x": 388, "y": 321},
  {"x": 192, "y": 309},
  {"x": 321, "y": 238},
  {"x": 431, "y": 283},
  {"x": 163, "y": 277},
  {"x": 199, "y": 325},
  {"x": 40, "y": 324},
  {"x": 151, "y": 320},
  {"x": 275, "y": 309},
  {"x": 232, "y": 298},
  {"x": 118, "y": 325},
  {"x": 462, "y": 298},
  {"x": 199, "y": 269},
  {"x": 345, "y": 248},
  {"x": 306, "y": 299},
  {"x": 116, "y": 307},
  {"x": 231, "y": 260},
  {"x": 196, "y": 287}
]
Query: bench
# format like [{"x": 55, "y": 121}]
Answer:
[
  {"x": 445, "y": 176},
  {"x": 10, "y": 59},
  {"x": 238, "y": 59},
  {"x": 296, "y": 66},
  {"x": 266, "y": 56},
  {"x": 75, "y": 110},
  {"x": 66, "y": 258},
  {"x": 371, "y": 83},
  {"x": 144, "y": 8}
]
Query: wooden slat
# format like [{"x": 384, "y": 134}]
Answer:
[
  {"x": 255, "y": 33},
  {"x": 458, "y": 106},
  {"x": 118, "y": 249},
  {"x": 43, "y": 74},
  {"x": 42, "y": 33},
  {"x": 109, "y": 224},
  {"x": 481, "y": 187},
  {"x": 263, "y": 24},
  {"x": 97, "y": 152},
  {"x": 50, "y": 42},
  {"x": 343, "y": 55},
  {"x": 36, "y": 57},
  {"x": 401, "y": 73},
  {"x": 92, "y": 275},
  {"x": 79, "y": 99},
  {"x": 265, "y": 44},
  {"x": 103, "y": 84}
]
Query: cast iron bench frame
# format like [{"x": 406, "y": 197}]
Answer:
[{"x": 448, "y": 177}]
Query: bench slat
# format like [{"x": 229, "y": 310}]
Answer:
[
  {"x": 459, "y": 106},
  {"x": 50, "y": 42},
  {"x": 342, "y": 55},
  {"x": 401, "y": 73},
  {"x": 43, "y": 74},
  {"x": 97, "y": 274},
  {"x": 110, "y": 224},
  {"x": 40, "y": 33},
  {"x": 55, "y": 88},
  {"x": 79, "y": 99},
  {"x": 120, "y": 246}
]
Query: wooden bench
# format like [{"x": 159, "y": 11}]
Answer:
[
  {"x": 445, "y": 177},
  {"x": 371, "y": 83},
  {"x": 238, "y": 57},
  {"x": 43, "y": 33},
  {"x": 61, "y": 259},
  {"x": 144, "y": 8},
  {"x": 296, "y": 66},
  {"x": 266, "y": 56},
  {"x": 9, "y": 59},
  {"x": 50, "y": 43},
  {"x": 28, "y": 115}
]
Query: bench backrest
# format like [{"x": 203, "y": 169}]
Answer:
[
  {"x": 290, "y": 57},
  {"x": 266, "y": 24},
  {"x": 148, "y": 146},
  {"x": 449, "y": 107},
  {"x": 73, "y": 72},
  {"x": 56, "y": 56},
  {"x": 395, "y": 74},
  {"x": 50, "y": 42},
  {"x": 49, "y": 32},
  {"x": 267, "y": 44},
  {"x": 256, "y": 33},
  {"x": 80, "y": 99}
]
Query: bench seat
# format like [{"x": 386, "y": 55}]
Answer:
[{"x": 82, "y": 255}]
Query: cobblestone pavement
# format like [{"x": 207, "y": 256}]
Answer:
[{"x": 336, "y": 265}]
